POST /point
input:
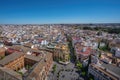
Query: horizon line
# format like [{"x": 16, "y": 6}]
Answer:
[{"x": 56, "y": 23}]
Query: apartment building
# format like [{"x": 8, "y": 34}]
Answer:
[
  {"x": 39, "y": 62},
  {"x": 104, "y": 72},
  {"x": 14, "y": 61}
]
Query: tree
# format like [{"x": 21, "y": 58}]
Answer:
[
  {"x": 28, "y": 66},
  {"x": 83, "y": 73},
  {"x": 91, "y": 79},
  {"x": 106, "y": 47},
  {"x": 20, "y": 73},
  {"x": 54, "y": 68},
  {"x": 79, "y": 65},
  {"x": 2, "y": 57}
]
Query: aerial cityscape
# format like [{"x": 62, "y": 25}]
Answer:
[{"x": 59, "y": 40}]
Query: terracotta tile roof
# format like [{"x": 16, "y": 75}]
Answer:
[
  {"x": 11, "y": 50},
  {"x": 86, "y": 52}
]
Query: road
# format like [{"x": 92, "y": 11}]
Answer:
[{"x": 64, "y": 72}]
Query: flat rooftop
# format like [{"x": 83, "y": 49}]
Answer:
[
  {"x": 34, "y": 58},
  {"x": 112, "y": 68},
  {"x": 109, "y": 70},
  {"x": 11, "y": 72},
  {"x": 10, "y": 58}
]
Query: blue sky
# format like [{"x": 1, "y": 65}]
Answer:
[{"x": 59, "y": 11}]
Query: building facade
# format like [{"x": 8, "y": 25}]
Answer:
[
  {"x": 101, "y": 73},
  {"x": 14, "y": 61},
  {"x": 2, "y": 53}
]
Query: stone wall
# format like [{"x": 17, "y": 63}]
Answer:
[{"x": 4, "y": 75}]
